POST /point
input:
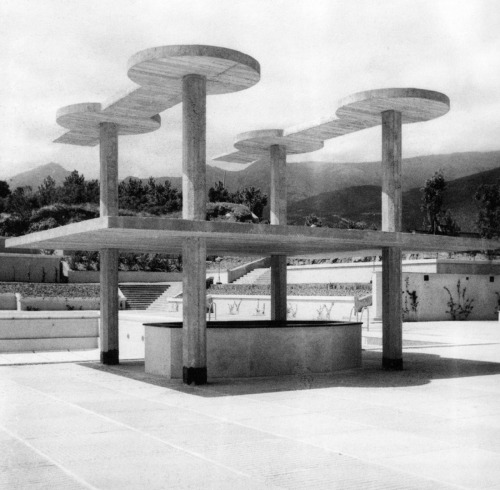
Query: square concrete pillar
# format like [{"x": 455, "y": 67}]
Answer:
[
  {"x": 278, "y": 287},
  {"x": 392, "y": 323},
  {"x": 278, "y": 217},
  {"x": 108, "y": 331},
  {"x": 194, "y": 340},
  {"x": 108, "y": 327},
  {"x": 194, "y": 250},
  {"x": 392, "y": 318}
]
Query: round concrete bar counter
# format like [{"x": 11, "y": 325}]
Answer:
[{"x": 240, "y": 349}]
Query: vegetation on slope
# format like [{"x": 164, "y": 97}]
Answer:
[
  {"x": 331, "y": 289},
  {"x": 46, "y": 290}
]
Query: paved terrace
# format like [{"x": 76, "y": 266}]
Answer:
[{"x": 436, "y": 424}]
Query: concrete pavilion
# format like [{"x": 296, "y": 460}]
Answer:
[
  {"x": 389, "y": 107},
  {"x": 188, "y": 73}
]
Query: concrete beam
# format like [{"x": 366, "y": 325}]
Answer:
[
  {"x": 354, "y": 113},
  {"x": 157, "y": 234}
]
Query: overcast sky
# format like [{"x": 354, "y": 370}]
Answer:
[{"x": 312, "y": 53}]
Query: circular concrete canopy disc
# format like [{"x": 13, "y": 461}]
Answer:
[
  {"x": 415, "y": 105},
  {"x": 259, "y": 142},
  {"x": 164, "y": 67},
  {"x": 86, "y": 117}
]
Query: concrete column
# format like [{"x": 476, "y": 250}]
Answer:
[
  {"x": 278, "y": 217},
  {"x": 109, "y": 169},
  {"x": 194, "y": 147},
  {"x": 391, "y": 171},
  {"x": 278, "y": 287},
  {"x": 194, "y": 345},
  {"x": 194, "y": 339},
  {"x": 392, "y": 323},
  {"x": 108, "y": 326},
  {"x": 278, "y": 184},
  {"x": 108, "y": 330}
]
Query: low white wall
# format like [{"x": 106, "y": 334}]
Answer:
[
  {"x": 299, "y": 307},
  {"x": 362, "y": 271},
  {"x": 8, "y": 301},
  {"x": 36, "y": 331},
  {"x": 125, "y": 276},
  {"x": 431, "y": 299},
  {"x": 57, "y": 304},
  {"x": 450, "y": 266},
  {"x": 54, "y": 304}
]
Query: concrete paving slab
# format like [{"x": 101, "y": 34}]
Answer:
[
  {"x": 433, "y": 425},
  {"x": 376, "y": 444},
  {"x": 467, "y": 467}
]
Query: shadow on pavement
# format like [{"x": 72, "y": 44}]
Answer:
[{"x": 419, "y": 369}]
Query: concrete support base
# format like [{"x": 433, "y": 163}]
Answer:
[
  {"x": 108, "y": 330},
  {"x": 197, "y": 376},
  {"x": 194, "y": 341},
  {"x": 278, "y": 287},
  {"x": 110, "y": 357},
  {"x": 392, "y": 364},
  {"x": 392, "y": 323}
]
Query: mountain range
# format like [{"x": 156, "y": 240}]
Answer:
[
  {"x": 307, "y": 179},
  {"x": 363, "y": 203},
  {"x": 347, "y": 190},
  {"x": 34, "y": 177}
]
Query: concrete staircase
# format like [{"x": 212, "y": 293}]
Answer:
[
  {"x": 141, "y": 296},
  {"x": 162, "y": 302},
  {"x": 257, "y": 276}
]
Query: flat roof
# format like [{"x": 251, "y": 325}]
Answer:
[{"x": 167, "y": 235}]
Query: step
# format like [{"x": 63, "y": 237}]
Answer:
[
  {"x": 163, "y": 302},
  {"x": 253, "y": 277},
  {"x": 141, "y": 296}
]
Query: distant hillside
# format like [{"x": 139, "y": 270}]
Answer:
[
  {"x": 459, "y": 198},
  {"x": 175, "y": 181},
  {"x": 363, "y": 203},
  {"x": 307, "y": 179},
  {"x": 360, "y": 203},
  {"x": 34, "y": 178}
]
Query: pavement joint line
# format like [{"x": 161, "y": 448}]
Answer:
[
  {"x": 220, "y": 419},
  {"x": 165, "y": 402},
  {"x": 412, "y": 473},
  {"x": 280, "y": 436},
  {"x": 51, "y": 460},
  {"x": 133, "y": 429}
]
